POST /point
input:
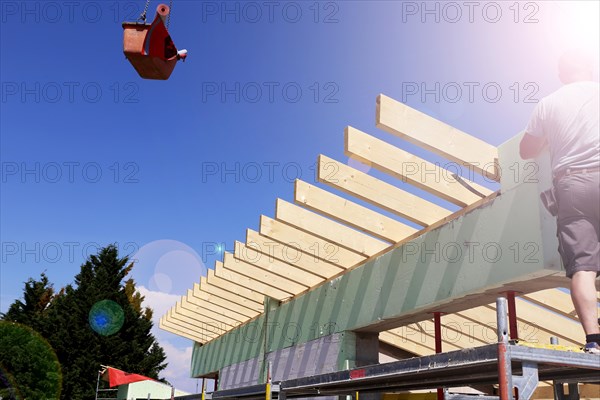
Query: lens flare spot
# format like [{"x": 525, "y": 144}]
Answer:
[{"x": 106, "y": 317}]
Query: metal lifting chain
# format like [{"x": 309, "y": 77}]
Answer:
[
  {"x": 143, "y": 16},
  {"x": 170, "y": 12}
]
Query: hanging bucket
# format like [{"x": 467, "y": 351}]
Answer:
[{"x": 149, "y": 47}]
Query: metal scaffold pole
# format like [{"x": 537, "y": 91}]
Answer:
[{"x": 504, "y": 366}]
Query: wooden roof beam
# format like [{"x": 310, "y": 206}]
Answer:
[
  {"x": 309, "y": 243},
  {"x": 268, "y": 263},
  {"x": 436, "y": 136},
  {"x": 379, "y": 193},
  {"x": 291, "y": 255},
  {"x": 350, "y": 213},
  {"x": 231, "y": 273},
  {"x": 409, "y": 168},
  {"x": 328, "y": 229}
]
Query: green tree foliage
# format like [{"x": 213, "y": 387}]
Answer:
[
  {"x": 64, "y": 320},
  {"x": 37, "y": 297},
  {"x": 30, "y": 359}
]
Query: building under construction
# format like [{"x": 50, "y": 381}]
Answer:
[{"x": 376, "y": 290}]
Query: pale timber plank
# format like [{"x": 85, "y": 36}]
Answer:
[
  {"x": 528, "y": 331},
  {"x": 308, "y": 243},
  {"x": 221, "y": 302},
  {"x": 587, "y": 391},
  {"x": 418, "y": 333},
  {"x": 244, "y": 302},
  {"x": 436, "y": 136},
  {"x": 557, "y": 300},
  {"x": 204, "y": 310},
  {"x": 405, "y": 344},
  {"x": 554, "y": 325},
  {"x": 252, "y": 284},
  {"x": 412, "y": 169},
  {"x": 452, "y": 334},
  {"x": 379, "y": 193},
  {"x": 261, "y": 275},
  {"x": 283, "y": 269},
  {"x": 181, "y": 332},
  {"x": 291, "y": 255},
  {"x": 234, "y": 288},
  {"x": 328, "y": 229},
  {"x": 204, "y": 328},
  {"x": 200, "y": 302},
  {"x": 196, "y": 322},
  {"x": 200, "y": 335},
  {"x": 351, "y": 213}
]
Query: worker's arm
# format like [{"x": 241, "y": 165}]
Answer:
[{"x": 531, "y": 146}]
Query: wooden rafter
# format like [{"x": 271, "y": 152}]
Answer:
[
  {"x": 233, "y": 287},
  {"x": 412, "y": 169},
  {"x": 224, "y": 303},
  {"x": 317, "y": 247},
  {"x": 328, "y": 229},
  {"x": 556, "y": 300},
  {"x": 350, "y": 213},
  {"x": 230, "y": 296},
  {"x": 262, "y": 275},
  {"x": 379, "y": 193},
  {"x": 231, "y": 273},
  {"x": 527, "y": 331},
  {"x": 204, "y": 329},
  {"x": 192, "y": 335},
  {"x": 436, "y": 136},
  {"x": 195, "y": 303},
  {"x": 235, "y": 291},
  {"x": 283, "y": 269},
  {"x": 291, "y": 255},
  {"x": 184, "y": 321},
  {"x": 203, "y": 313}
]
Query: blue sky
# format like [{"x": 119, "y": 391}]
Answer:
[{"x": 92, "y": 154}]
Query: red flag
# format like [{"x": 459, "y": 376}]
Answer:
[{"x": 117, "y": 377}]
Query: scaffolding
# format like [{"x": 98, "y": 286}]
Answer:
[{"x": 515, "y": 368}]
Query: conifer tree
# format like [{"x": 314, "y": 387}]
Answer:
[{"x": 99, "y": 320}]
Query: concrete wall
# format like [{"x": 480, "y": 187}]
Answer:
[{"x": 314, "y": 357}]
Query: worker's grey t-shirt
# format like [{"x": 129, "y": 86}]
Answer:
[{"x": 569, "y": 120}]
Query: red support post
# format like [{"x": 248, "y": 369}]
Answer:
[
  {"x": 512, "y": 315},
  {"x": 437, "y": 323}
]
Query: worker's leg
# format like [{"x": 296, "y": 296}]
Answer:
[
  {"x": 583, "y": 293},
  {"x": 579, "y": 242}
]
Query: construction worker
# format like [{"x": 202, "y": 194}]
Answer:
[{"x": 567, "y": 122}]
